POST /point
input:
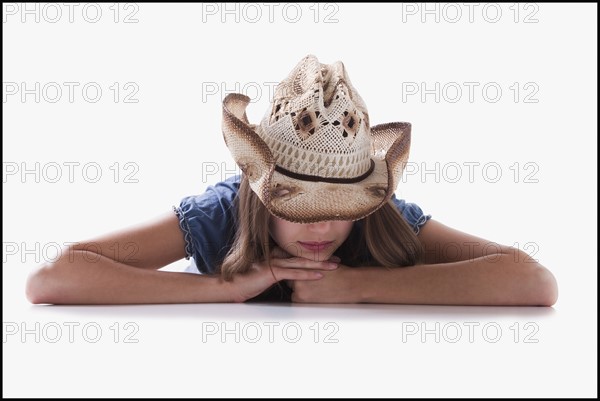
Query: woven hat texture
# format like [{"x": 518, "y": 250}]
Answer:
[{"x": 314, "y": 156}]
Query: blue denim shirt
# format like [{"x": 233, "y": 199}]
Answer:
[{"x": 208, "y": 222}]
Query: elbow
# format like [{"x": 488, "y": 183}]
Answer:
[
  {"x": 533, "y": 284},
  {"x": 545, "y": 287},
  {"x": 56, "y": 282},
  {"x": 538, "y": 286},
  {"x": 34, "y": 286},
  {"x": 41, "y": 287}
]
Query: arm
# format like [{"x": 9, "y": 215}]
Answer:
[
  {"x": 459, "y": 269},
  {"x": 120, "y": 268}
]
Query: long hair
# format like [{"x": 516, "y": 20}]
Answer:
[{"x": 387, "y": 236}]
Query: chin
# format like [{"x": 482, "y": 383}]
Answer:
[{"x": 317, "y": 257}]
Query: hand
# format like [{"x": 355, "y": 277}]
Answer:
[
  {"x": 283, "y": 267},
  {"x": 341, "y": 285}
]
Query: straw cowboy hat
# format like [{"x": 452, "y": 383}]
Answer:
[{"x": 314, "y": 156}]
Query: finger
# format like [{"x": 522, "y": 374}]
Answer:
[
  {"x": 296, "y": 274},
  {"x": 303, "y": 263}
]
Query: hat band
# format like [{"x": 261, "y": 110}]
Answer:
[{"x": 333, "y": 180}]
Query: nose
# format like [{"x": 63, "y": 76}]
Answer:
[{"x": 321, "y": 227}]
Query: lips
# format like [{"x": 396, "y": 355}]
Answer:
[{"x": 315, "y": 245}]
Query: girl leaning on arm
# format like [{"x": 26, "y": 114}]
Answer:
[{"x": 312, "y": 218}]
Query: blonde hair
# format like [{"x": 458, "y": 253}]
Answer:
[{"x": 386, "y": 235}]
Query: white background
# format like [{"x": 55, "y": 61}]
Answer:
[{"x": 176, "y": 55}]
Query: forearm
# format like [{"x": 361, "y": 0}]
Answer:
[
  {"x": 493, "y": 280},
  {"x": 105, "y": 281}
]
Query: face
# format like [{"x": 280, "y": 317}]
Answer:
[{"x": 315, "y": 241}]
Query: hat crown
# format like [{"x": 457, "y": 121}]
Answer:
[
  {"x": 308, "y": 160},
  {"x": 318, "y": 124}
]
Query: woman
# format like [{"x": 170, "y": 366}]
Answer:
[{"x": 313, "y": 218}]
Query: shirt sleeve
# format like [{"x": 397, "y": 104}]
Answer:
[
  {"x": 208, "y": 224},
  {"x": 412, "y": 213}
]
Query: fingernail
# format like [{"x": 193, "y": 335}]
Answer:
[
  {"x": 335, "y": 259},
  {"x": 333, "y": 265}
]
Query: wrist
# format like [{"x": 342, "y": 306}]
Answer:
[
  {"x": 213, "y": 288},
  {"x": 366, "y": 282},
  {"x": 229, "y": 290}
]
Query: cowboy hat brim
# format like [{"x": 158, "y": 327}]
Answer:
[{"x": 302, "y": 201}]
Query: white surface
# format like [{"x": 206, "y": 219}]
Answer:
[{"x": 172, "y": 137}]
